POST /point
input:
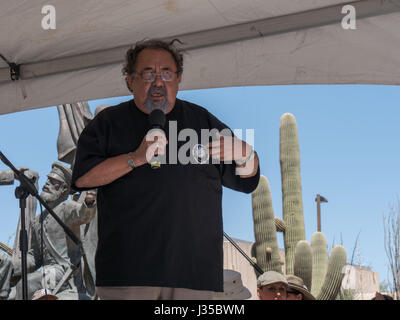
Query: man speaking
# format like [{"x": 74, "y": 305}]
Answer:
[{"x": 160, "y": 230}]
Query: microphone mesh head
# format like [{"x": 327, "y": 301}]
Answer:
[{"x": 157, "y": 118}]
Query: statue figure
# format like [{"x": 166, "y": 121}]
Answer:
[
  {"x": 100, "y": 108},
  {"x": 60, "y": 255},
  {"x": 7, "y": 177},
  {"x": 89, "y": 235},
  {"x": 73, "y": 118},
  {"x": 6, "y": 271}
]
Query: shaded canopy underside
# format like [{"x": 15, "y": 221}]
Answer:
[{"x": 228, "y": 43}]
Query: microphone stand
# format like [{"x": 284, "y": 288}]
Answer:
[
  {"x": 25, "y": 189},
  {"x": 255, "y": 265}
]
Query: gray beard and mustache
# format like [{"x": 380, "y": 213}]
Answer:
[
  {"x": 151, "y": 105},
  {"x": 52, "y": 196}
]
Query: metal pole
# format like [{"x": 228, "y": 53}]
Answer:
[
  {"x": 22, "y": 194},
  {"x": 255, "y": 265},
  {"x": 319, "y": 212}
]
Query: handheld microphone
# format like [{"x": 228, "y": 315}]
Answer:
[{"x": 157, "y": 121}]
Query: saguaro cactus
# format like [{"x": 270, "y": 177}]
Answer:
[
  {"x": 311, "y": 264},
  {"x": 321, "y": 275},
  {"x": 289, "y": 153},
  {"x": 334, "y": 275},
  {"x": 319, "y": 262},
  {"x": 303, "y": 262},
  {"x": 266, "y": 246}
]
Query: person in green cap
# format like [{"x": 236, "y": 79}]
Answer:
[{"x": 272, "y": 285}]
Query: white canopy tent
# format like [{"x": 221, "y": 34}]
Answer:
[{"x": 229, "y": 43}]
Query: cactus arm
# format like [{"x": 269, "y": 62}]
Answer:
[
  {"x": 334, "y": 275},
  {"x": 266, "y": 245},
  {"x": 280, "y": 225},
  {"x": 303, "y": 262},
  {"x": 320, "y": 262}
]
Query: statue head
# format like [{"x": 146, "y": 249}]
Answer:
[
  {"x": 57, "y": 186},
  {"x": 100, "y": 108}
]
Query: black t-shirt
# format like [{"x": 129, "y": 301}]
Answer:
[{"x": 158, "y": 227}]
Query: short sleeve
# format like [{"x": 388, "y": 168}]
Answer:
[
  {"x": 91, "y": 148},
  {"x": 228, "y": 171}
]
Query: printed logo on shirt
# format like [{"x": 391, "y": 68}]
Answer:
[
  {"x": 200, "y": 154},
  {"x": 215, "y": 147}
]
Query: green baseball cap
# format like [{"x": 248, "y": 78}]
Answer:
[{"x": 270, "y": 277}]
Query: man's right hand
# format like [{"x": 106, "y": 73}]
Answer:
[
  {"x": 109, "y": 170},
  {"x": 154, "y": 143}
]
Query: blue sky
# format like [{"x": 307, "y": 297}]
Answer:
[{"x": 349, "y": 151}]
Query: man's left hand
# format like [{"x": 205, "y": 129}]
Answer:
[{"x": 229, "y": 148}]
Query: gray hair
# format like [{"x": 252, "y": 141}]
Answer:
[{"x": 133, "y": 53}]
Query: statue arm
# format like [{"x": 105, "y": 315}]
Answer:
[
  {"x": 81, "y": 213},
  {"x": 6, "y": 177}
]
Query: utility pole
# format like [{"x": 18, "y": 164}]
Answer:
[{"x": 319, "y": 199}]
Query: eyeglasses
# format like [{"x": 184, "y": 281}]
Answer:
[
  {"x": 292, "y": 292},
  {"x": 150, "y": 76}
]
